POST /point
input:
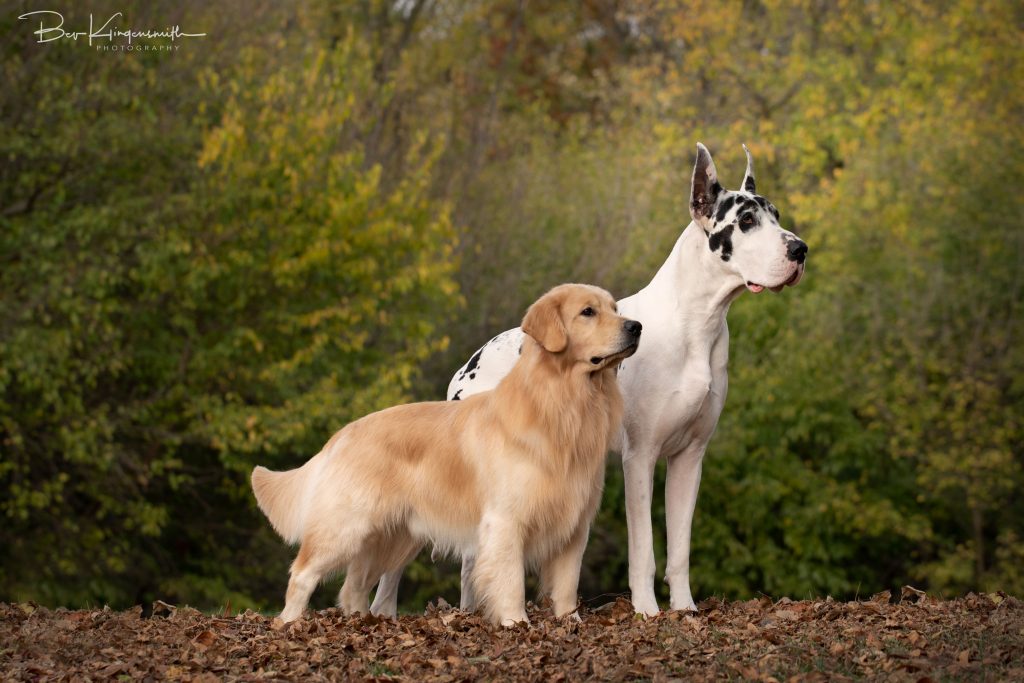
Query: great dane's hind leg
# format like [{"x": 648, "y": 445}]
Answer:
[
  {"x": 385, "y": 601},
  {"x": 638, "y": 468},
  {"x": 467, "y": 600},
  {"x": 681, "y": 484}
]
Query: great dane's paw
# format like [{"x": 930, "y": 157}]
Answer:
[
  {"x": 683, "y": 603},
  {"x": 685, "y": 607},
  {"x": 648, "y": 608}
]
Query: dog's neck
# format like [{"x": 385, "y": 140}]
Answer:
[
  {"x": 568, "y": 401},
  {"x": 696, "y": 286},
  {"x": 551, "y": 372}
]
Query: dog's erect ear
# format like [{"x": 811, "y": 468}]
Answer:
[
  {"x": 543, "y": 322},
  {"x": 748, "y": 177},
  {"x": 705, "y": 188}
]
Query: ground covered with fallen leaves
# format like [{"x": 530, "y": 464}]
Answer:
[{"x": 910, "y": 637}]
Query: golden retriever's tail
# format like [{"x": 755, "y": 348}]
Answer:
[{"x": 282, "y": 496}]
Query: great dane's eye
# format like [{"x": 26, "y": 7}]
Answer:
[
  {"x": 747, "y": 219},
  {"x": 587, "y": 312}
]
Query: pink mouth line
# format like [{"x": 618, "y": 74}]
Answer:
[{"x": 795, "y": 278}]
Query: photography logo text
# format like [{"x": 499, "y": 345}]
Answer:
[{"x": 109, "y": 36}]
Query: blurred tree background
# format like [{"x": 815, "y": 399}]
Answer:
[{"x": 213, "y": 258}]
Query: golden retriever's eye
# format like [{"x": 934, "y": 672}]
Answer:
[{"x": 587, "y": 312}]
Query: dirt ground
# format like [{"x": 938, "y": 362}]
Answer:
[{"x": 909, "y": 637}]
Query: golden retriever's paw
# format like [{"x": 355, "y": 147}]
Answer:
[{"x": 514, "y": 622}]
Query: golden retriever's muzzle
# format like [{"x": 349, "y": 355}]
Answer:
[{"x": 630, "y": 340}]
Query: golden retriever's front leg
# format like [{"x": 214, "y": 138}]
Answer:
[
  {"x": 499, "y": 572},
  {"x": 560, "y": 574}
]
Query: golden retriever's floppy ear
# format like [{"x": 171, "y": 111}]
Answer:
[{"x": 544, "y": 323}]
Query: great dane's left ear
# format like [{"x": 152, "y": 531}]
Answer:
[
  {"x": 748, "y": 177},
  {"x": 705, "y": 188},
  {"x": 543, "y": 322}
]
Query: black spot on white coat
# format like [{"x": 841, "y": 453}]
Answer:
[
  {"x": 724, "y": 206},
  {"x": 473, "y": 362},
  {"x": 722, "y": 240}
]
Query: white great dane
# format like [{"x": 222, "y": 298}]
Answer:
[{"x": 674, "y": 386}]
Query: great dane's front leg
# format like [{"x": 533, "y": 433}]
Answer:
[
  {"x": 681, "y": 484},
  {"x": 638, "y": 469}
]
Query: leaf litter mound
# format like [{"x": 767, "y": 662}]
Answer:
[{"x": 916, "y": 638}]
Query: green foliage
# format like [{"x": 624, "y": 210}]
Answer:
[
  {"x": 168, "y": 333},
  {"x": 216, "y": 258}
]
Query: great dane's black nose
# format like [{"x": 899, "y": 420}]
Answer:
[
  {"x": 796, "y": 250},
  {"x": 633, "y": 327}
]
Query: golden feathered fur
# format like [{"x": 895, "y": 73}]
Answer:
[{"x": 513, "y": 476}]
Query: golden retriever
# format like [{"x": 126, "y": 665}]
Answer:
[{"x": 513, "y": 476}]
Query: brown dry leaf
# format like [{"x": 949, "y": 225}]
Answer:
[
  {"x": 806, "y": 640},
  {"x": 204, "y": 640},
  {"x": 111, "y": 669},
  {"x": 882, "y": 598},
  {"x": 693, "y": 623},
  {"x": 911, "y": 593}
]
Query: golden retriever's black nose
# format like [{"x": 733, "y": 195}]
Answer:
[{"x": 633, "y": 327}]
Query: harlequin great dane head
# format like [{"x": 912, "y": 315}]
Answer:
[{"x": 743, "y": 229}]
